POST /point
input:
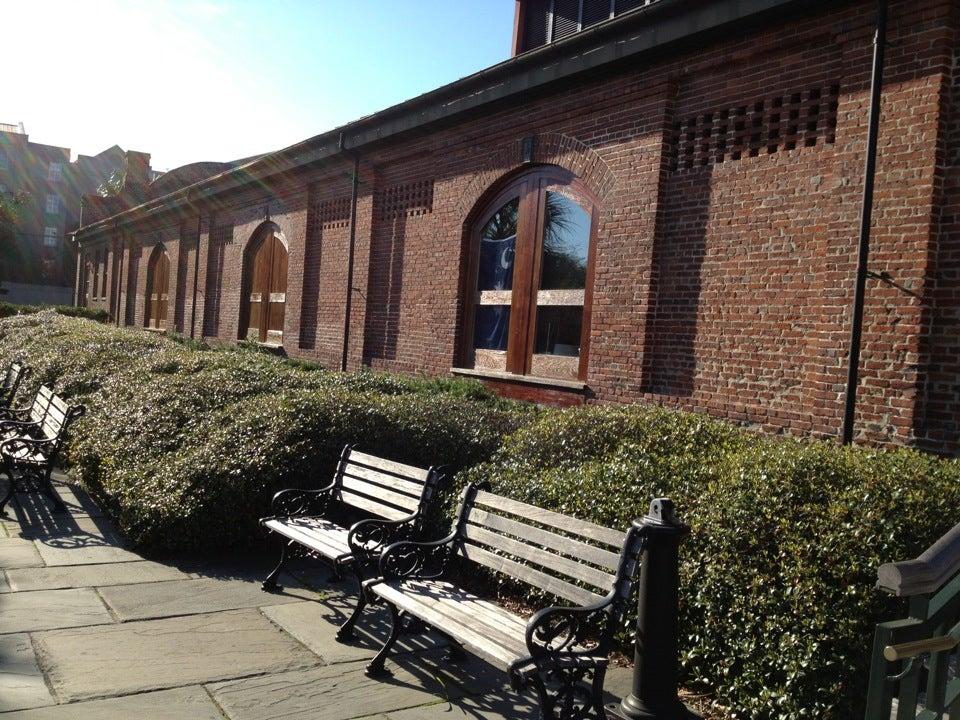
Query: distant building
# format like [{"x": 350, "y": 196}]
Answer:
[{"x": 41, "y": 267}]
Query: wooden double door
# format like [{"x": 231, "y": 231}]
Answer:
[
  {"x": 266, "y": 290},
  {"x": 158, "y": 285}
]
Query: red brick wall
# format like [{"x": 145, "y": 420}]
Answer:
[{"x": 729, "y": 180}]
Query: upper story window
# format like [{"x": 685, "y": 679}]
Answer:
[
  {"x": 50, "y": 236},
  {"x": 53, "y": 204},
  {"x": 530, "y": 266},
  {"x": 544, "y": 21},
  {"x": 55, "y": 172}
]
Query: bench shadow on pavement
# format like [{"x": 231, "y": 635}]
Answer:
[{"x": 37, "y": 520}]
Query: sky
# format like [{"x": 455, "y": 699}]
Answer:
[{"x": 192, "y": 80}]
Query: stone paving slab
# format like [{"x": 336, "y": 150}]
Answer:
[
  {"x": 315, "y": 624},
  {"x": 18, "y": 553},
  {"x": 188, "y": 703},
  {"x": 82, "y": 549},
  {"x": 21, "y": 681},
  {"x": 4, "y": 584},
  {"x": 138, "y": 656},
  {"x": 60, "y": 525},
  {"x": 336, "y": 692},
  {"x": 68, "y": 576},
  {"x": 504, "y": 704},
  {"x": 192, "y": 597},
  {"x": 48, "y": 609}
]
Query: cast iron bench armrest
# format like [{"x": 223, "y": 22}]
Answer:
[
  {"x": 408, "y": 560},
  {"x": 18, "y": 426},
  {"x": 38, "y": 444},
  {"x": 557, "y": 633},
  {"x": 368, "y": 538},
  {"x": 15, "y": 413},
  {"x": 294, "y": 502}
]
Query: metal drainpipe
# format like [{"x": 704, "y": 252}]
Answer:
[
  {"x": 119, "y": 278},
  {"x": 350, "y": 253},
  {"x": 196, "y": 270},
  {"x": 866, "y": 218}
]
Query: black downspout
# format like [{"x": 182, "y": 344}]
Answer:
[
  {"x": 122, "y": 248},
  {"x": 196, "y": 270},
  {"x": 350, "y": 254},
  {"x": 866, "y": 218}
]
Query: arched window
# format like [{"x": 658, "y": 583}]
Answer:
[
  {"x": 158, "y": 284},
  {"x": 528, "y": 306},
  {"x": 264, "y": 287}
]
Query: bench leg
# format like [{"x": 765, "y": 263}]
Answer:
[
  {"x": 573, "y": 698},
  {"x": 10, "y": 488},
  {"x": 346, "y": 630},
  {"x": 270, "y": 582},
  {"x": 376, "y": 666},
  {"x": 58, "y": 506}
]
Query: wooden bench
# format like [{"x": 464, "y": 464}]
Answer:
[
  {"x": 16, "y": 373},
  {"x": 31, "y": 441},
  {"x": 558, "y": 648},
  {"x": 398, "y": 495}
]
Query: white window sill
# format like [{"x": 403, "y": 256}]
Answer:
[{"x": 527, "y": 379}]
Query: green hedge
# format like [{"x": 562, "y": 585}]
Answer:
[
  {"x": 11, "y": 309},
  {"x": 185, "y": 446},
  {"x": 778, "y": 576}
]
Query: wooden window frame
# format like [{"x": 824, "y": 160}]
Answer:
[{"x": 531, "y": 187}]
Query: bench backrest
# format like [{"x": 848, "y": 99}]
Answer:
[
  {"x": 15, "y": 374},
  {"x": 41, "y": 404},
  {"x": 56, "y": 419},
  {"x": 556, "y": 550},
  {"x": 382, "y": 487}
]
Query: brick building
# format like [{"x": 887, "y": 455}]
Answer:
[
  {"x": 38, "y": 267},
  {"x": 654, "y": 201}
]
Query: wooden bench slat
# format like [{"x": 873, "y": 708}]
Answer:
[
  {"x": 371, "y": 506},
  {"x": 474, "y": 635},
  {"x": 564, "y": 545},
  {"x": 378, "y": 463},
  {"x": 565, "y": 566},
  {"x": 529, "y": 575},
  {"x": 407, "y": 487},
  {"x": 379, "y": 494},
  {"x": 330, "y": 541},
  {"x": 565, "y": 523}
]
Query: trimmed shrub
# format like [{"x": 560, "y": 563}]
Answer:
[
  {"x": 185, "y": 445},
  {"x": 778, "y": 596},
  {"x": 10, "y": 309}
]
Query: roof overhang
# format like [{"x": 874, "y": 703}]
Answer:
[{"x": 610, "y": 45}]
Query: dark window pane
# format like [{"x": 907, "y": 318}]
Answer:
[
  {"x": 566, "y": 240},
  {"x": 491, "y": 327},
  {"x": 558, "y": 330},
  {"x": 498, "y": 240}
]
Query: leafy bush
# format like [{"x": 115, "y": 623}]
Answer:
[
  {"x": 10, "y": 309},
  {"x": 186, "y": 445},
  {"x": 778, "y": 596}
]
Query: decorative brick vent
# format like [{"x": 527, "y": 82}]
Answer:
[
  {"x": 408, "y": 200},
  {"x": 332, "y": 213},
  {"x": 222, "y": 235},
  {"x": 784, "y": 122}
]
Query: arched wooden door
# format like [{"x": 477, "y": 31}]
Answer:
[
  {"x": 158, "y": 283},
  {"x": 266, "y": 298}
]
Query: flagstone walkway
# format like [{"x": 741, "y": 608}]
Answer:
[{"x": 91, "y": 630}]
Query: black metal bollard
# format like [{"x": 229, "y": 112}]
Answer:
[{"x": 656, "y": 662}]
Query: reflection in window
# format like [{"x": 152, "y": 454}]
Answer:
[
  {"x": 491, "y": 327},
  {"x": 558, "y": 330},
  {"x": 498, "y": 241},
  {"x": 566, "y": 239}
]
